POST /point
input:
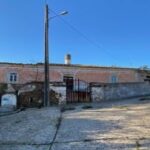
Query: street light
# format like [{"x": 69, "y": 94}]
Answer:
[
  {"x": 60, "y": 14},
  {"x": 46, "y": 65},
  {"x": 64, "y": 13}
]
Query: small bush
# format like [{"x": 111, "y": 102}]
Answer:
[
  {"x": 87, "y": 107},
  {"x": 3, "y": 87}
]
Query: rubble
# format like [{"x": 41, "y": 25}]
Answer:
[{"x": 31, "y": 95}]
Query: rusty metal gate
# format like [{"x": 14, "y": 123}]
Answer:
[{"x": 77, "y": 90}]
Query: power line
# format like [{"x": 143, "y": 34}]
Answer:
[{"x": 85, "y": 37}]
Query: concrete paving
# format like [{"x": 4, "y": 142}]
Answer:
[
  {"x": 103, "y": 145},
  {"x": 116, "y": 125},
  {"x": 30, "y": 129}
]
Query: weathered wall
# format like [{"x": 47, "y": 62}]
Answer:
[
  {"x": 119, "y": 91},
  {"x": 60, "y": 89},
  {"x": 27, "y": 73},
  {"x": 104, "y": 75},
  {"x": 35, "y": 91}
]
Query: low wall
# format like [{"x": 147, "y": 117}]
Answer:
[
  {"x": 102, "y": 92},
  {"x": 32, "y": 94},
  {"x": 60, "y": 89}
]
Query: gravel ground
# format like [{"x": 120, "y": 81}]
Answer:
[
  {"x": 114, "y": 125},
  {"x": 29, "y": 129}
]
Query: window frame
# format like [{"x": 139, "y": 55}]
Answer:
[
  {"x": 114, "y": 79},
  {"x": 12, "y": 77}
]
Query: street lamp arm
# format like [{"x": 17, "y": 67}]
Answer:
[{"x": 61, "y": 14}]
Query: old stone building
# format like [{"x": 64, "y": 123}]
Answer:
[
  {"x": 75, "y": 83},
  {"x": 24, "y": 73}
]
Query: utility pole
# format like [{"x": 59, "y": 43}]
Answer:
[{"x": 46, "y": 65}]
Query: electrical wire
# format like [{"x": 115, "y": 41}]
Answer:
[{"x": 86, "y": 38}]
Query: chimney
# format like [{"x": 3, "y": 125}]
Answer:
[{"x": 68, "y": 59}]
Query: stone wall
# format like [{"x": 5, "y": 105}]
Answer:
[
  {"x": 102, "y": 92},
  {"x": 60, "y": 89},
  {"x": 32, "y": 94}
]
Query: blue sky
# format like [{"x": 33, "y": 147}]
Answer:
[{"x": 117, "y": 32}]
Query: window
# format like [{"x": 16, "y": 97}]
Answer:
[
  {"x": 114, "y": 79},
  {"x": 13, "y": 77}
]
